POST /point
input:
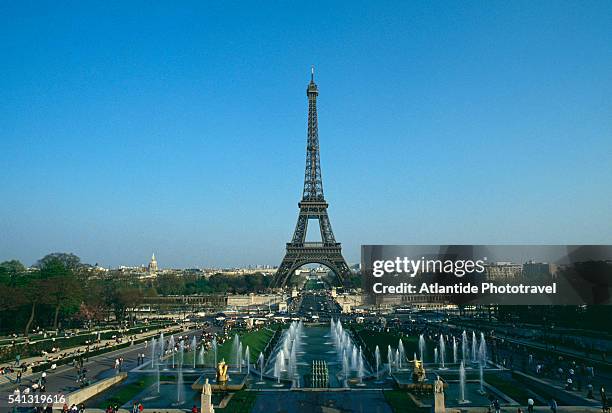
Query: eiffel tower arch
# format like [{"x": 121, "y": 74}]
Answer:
[{"x": 313, "y": 206}]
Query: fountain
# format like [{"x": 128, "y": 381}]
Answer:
[
  {"x": 454, "y": 350},
  {"x": 464, "y": 346},
  {"x": 360, "y": 371},
  {"x": 179, "y": 380},
  {"x": 333, "y": 358},
  {"x": 474, "y": 359},
  {"x": 153, "y": 360},
  {"x": 239, "y": 357},
  {"x": 247, "y": 357},
  {"x": 390, "y": 359},
  {"x": 201, "y": 355},
  {"x": 292, "y": 368},
  {"x": 260, "y": 362},
  {"x": 401, "y": 351},
  {"x": 279, "y": 366},
  {"x": 161, "y": 346},
  {"x": 482, "y": 361},
  {"x": 345, "y": 368},
  {"x": 396, "y": 360},
  {"x": 182, "y": 352},
  {"x": 214, "y": 347},
  {"x": 171, "y": 348},
  {"x": 442, "y": 351},
  {"x": 236, "y": 356},
  {"x": 482, "y": 350},
  {"x": 377, "y": 357},
  {"x": 462, "y": 399},
  {"x": 436, "y": 355},
  {"x": 422, "y": 347},
  {"x": 193, "y": 349}
]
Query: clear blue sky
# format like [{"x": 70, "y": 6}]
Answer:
[{"x": 127, "y": 129}]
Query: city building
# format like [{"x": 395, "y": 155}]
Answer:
[
  {"x": 152, "y": 267},
  {"x": 503, "y": 271}
]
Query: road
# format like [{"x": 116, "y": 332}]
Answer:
[
  {"x": 63, "y": 379},
  {"x": 319, "y": 304}
]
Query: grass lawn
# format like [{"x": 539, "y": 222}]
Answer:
[
  {"x": 400, "y": 402},
  {"x": 240, "y": 402},
  {"x": 314, "y": 285},
  {"x": 508, "y": 386},
  {"x": 383, "y": 340},
  {"x": 256, "y": 340},
  {"x": 127, "y": 392}
]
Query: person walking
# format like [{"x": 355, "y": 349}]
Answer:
[
  {"x": 496, "y": 406},
  {"x": 553, "y": 405},
  {"x": 530, "y": 404},
  {"x": 134, "y": 407}
]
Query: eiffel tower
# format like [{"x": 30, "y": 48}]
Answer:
[{"x": 328, "y": 252}]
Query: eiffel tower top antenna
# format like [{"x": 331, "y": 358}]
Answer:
[{"x": 312, "y": 73}]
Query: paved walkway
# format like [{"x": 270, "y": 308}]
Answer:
[{"x": 78, "y": 350}]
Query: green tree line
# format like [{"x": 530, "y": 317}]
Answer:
[{"x": 60, "y": 291}]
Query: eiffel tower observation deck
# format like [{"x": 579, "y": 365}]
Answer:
[{"x": 313, "y": 206}]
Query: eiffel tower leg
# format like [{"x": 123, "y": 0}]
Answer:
[{"x": 283, "y": 273}]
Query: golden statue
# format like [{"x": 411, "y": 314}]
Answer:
[
  {"x": 222, "y": 372},
  {"x": 418, "y": 372}
]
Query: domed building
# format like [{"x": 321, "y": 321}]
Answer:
[{"x": 152, "y": 267}]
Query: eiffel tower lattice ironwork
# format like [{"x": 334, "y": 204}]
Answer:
[{"x": 313, "y": 206}]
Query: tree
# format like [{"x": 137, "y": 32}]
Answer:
[
  {"x": 9, "y": 270},
  {"x": 121, "y": 295},
  {"x": 69, "y": 260},
  {"x": 62, "y": 289},
  {"x": 29, "y": 289}
]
